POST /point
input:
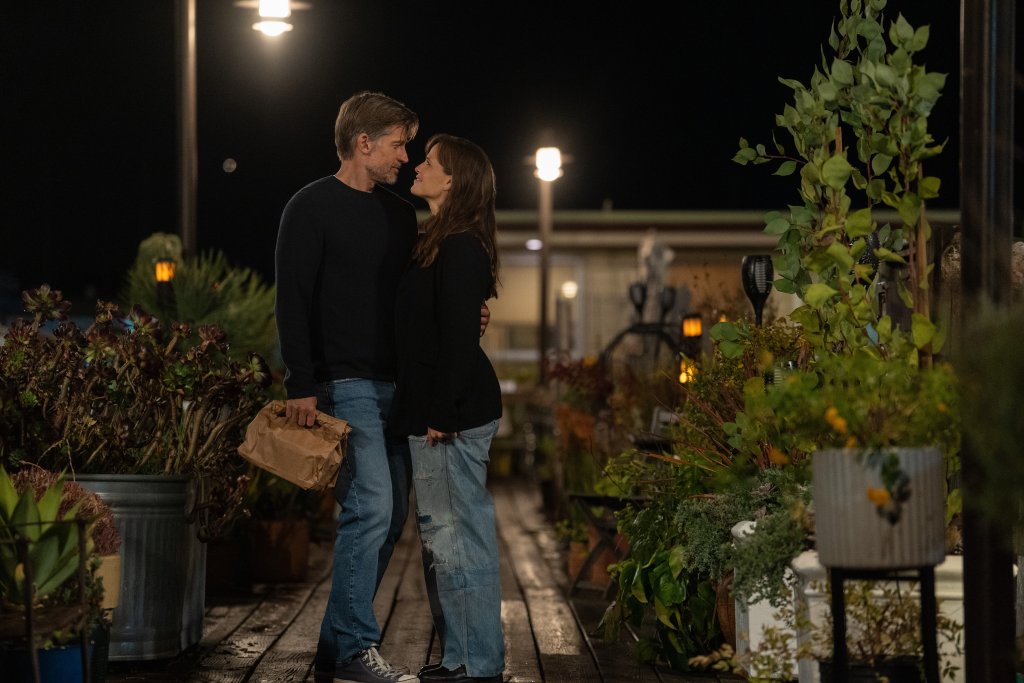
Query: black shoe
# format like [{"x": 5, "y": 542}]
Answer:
[
  {"x": 428, "y": 668},
  {"x": 443, "y": 675}
]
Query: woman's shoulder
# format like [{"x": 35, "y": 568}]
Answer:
[{"x": 464, "y": 242}]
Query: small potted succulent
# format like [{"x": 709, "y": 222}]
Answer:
[{"x": 46, "y": 523}]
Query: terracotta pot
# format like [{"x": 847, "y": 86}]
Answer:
[{"x": 725, "y": 609}]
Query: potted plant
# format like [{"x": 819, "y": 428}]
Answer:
[
  {"x": 149, "y": 415},
  {"x": 859, "y": 139},
  {"x": 53, "y": 595},
  {"x": 104, "y": 564},
  {"x": 682, "y": 569}
]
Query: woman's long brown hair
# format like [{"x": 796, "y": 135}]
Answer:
[{"x": 469, "y": 206}]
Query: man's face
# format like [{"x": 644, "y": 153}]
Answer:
[{"x": 387, "y": 154}]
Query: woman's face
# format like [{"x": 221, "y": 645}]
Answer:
[{"x": 432, "y": 181}]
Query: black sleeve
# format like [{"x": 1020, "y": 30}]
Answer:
[
  {"x": 462, "y": 279},
  {"x": 297, "y": 264}
]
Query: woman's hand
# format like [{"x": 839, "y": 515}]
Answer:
[{"x": 435, "y": 437}]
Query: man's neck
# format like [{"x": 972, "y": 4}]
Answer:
[{"x": 355, "y": 176}]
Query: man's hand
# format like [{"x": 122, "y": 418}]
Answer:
[
  {"x": 485, "y": 317},
  {"x": 302, "y": 410}
]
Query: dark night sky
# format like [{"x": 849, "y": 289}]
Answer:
[{"x": 649, "y": 107}]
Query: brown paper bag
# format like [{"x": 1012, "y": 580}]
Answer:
[{"x": 308, "y": 457}]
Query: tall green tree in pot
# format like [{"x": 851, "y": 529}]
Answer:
[{"x": 856, "y": 137}]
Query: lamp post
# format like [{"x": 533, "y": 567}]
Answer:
[
  {"x": 272, "y": 13},
  {"x": 548, "y": 169}
]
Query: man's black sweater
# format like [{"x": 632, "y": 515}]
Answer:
[{"x": 340, "y": 254}]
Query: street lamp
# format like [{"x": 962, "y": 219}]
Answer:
[
  {"x": 548, "y": 169},
  {"x": 188, "y": 149},
  {"x": 272, "y": 14}
]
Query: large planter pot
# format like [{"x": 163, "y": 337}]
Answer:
[
  {"x": 163, "y": 565},
  {"x": 849, "y": 531}
]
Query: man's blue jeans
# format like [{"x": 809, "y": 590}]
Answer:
[
  {"x": 455, "y": 515},
  {"x": 373, "y": 492}
]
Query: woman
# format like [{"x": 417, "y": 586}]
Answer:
[{"x": 448, "y": 402}]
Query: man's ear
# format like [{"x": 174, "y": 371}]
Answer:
[{"x": 363, "y": 143}]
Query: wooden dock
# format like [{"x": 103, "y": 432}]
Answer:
[{"x": 270, "y": 636}]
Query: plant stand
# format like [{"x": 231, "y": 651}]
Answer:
[{"x": 840, "y": 656}]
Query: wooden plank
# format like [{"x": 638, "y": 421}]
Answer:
[
  {"x": 562, "y": 649},
  {"x": 290, "y": 658},
  {"x": 233, "y": 659},
  {"x": 521, "y": 660}
]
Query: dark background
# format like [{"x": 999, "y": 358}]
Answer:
[{"x": 649, "y": 105}]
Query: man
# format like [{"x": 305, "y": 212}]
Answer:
[{"x": 343, "y": 243}]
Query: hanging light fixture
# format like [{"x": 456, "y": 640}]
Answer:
[
  {"x": 757, "y": 275},
  {"x": 273, "y": 14}
]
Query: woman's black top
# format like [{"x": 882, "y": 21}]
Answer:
[{"x": 445, "y": 380}]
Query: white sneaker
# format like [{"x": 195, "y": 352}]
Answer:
[{"x": 369, "y": 667}]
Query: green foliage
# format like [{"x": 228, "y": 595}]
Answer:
[
  {"x": 48, "y": 538},
  {"x": 206, "y": 290},
  {"x": 760, "y": 560},
  {"x": 870, "y": 93},
  {"x": 681, "y": 601}
]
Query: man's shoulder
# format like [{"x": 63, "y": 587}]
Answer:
[
  {"x": 389, "y": 196},
  {"x": 314, "y": 189}
]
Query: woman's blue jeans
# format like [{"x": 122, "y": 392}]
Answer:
[
  {"x": 455, "y": 516},
  {"x": 373, "y": 492}
]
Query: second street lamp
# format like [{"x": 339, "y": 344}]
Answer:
[{"x": 548, "y": 169}]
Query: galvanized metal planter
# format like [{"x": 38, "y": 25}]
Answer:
[
  {"x": 163, "y": 565},
  {"x": 849, "y": 532}
]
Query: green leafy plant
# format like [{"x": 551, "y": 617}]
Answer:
[
  {"x": 77, "y": 503},
  {"x": 128, "y": 395},
  {"x": 48, "y": 539},
  {"x": 861, "y": 402},
  {"x": 858, "y": 138}
]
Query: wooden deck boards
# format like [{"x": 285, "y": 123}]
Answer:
[{"x": 270, "y": 634}]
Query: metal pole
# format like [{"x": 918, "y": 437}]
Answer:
[
  {"x": 545, "y": 206},
  {"x": 986, "y": 206},
  {"x": 187, "y": 144}
]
